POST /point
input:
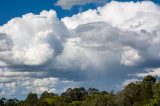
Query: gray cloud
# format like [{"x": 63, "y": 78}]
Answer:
[
  {"x": 5, "y": 43},
  {"x": 67, "y": 4}
]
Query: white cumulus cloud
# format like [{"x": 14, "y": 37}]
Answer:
[{"x": 36, "y": 38}]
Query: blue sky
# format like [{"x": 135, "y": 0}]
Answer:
[
  {"x": 15, "y": 8},
  {"x": 103, "y": 44}
]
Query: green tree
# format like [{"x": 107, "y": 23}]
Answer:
[
  {"x": 47, "y": 95},
  {"x": 100, "y": 99},
  {"x": 91, "y": 91},
  {"x": 75, "y": 103},
  {"x": 153, "y": 102},
  {"x": 76, "y": 94},
  {"x": 2, "y": 101},
  {"x": 12, "y": 102},
  {"x": 156, "y": 90},
  {"x": 129, "y": 96},
  {"x": 31, "y": 99},
  {"x": 146, "y": 88}
]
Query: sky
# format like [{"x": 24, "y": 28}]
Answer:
[
  {"x": 15, "y": 8},
  {"x": 53, "y": 45}
]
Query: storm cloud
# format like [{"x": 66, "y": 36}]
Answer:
[{"x": 104, "y": 47}]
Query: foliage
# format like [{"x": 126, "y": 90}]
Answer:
[
  {"x": 76, "y": 94},
  {"x": 100, "y": 99}
]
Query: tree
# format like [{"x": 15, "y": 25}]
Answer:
[
  {"x": 12, "y": 102},
  {"x": 129, "y": 96},
  {"x": 75, "y": 103},
  {"x": 32, "y": 99},
  {"x": 153, "y": 102},
  {"x": 47, "y": 95},
  {"x": 91, "y": 91},
  {"x": 2, "y": 101},
  {"x": 156, "y": 90},
  {"x": 146, "y": 88},
  {"x": 99, "y": 99},
  {"x": 156, "y": 95},
  {"x": 149, "y": 79},
  {"x": 76, "y": 94}
]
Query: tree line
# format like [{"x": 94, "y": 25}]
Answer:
[{"x": 140, "y": 93}]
